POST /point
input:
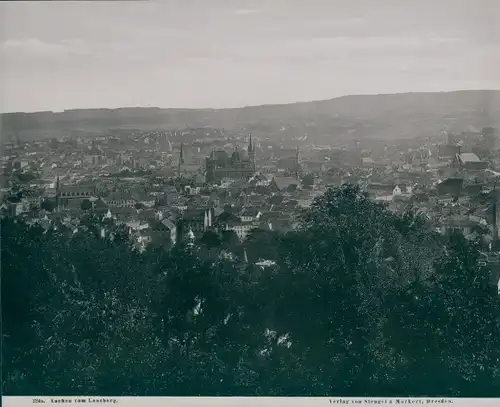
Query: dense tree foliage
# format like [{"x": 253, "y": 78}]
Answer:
[{"x": 357, "y": 301}]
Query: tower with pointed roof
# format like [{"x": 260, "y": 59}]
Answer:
[
  {"x": 298, "y": 163},
  {"x": 210, "y": 167},
  {"x": 181, "y": 160},
  {"x": 251, "y": 151},
  {"x": 58, "y": 190}
]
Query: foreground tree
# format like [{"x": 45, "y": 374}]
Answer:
[
  {"x": 446, "y": 329},
  {"x": 358, "y": 301}
]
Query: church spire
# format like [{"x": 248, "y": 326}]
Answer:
[
  {"x": 251, "y": 152},
  {"x": 181, "y": 159},
  {"x": 58, "y": 191},
  {"x": 298, "y": 168}
]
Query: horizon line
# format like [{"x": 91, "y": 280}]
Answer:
[{"x": 249, "y": 106}]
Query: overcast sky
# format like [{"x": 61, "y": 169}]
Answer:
[{"x": 230, "y": 53}]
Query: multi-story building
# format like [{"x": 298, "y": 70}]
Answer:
[
  {"x": 73, "y": 195},
  {"x": 119, "y": 200},
  {"x": 240, "y": 227},
  {"x": 469, "y": 161},
  {"x": 239, "y": 166}
]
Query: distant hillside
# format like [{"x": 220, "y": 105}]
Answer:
[{"x": 354, "y": 117}]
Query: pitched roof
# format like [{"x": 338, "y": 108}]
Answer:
[
  {"x": 141, "y": 196},
  {"x": 218, "y": 211},
  {"x": 227, "y": 216},
  {"x": 100, "y": 204},
  {"x": 257, "y": 198},
  {"x": 284, "y": 182},
  {"x": 235, "y": 222},
  {"x": 473, "y": 188},
  {"x": 469, "y": 157},
  {"x": 249, "y": 212},
  {"x": 194, "y": 214},
  {"x": 124, "y": 211},
  {"x": 454, "y": 183},
  {"x": 266, "y": 216},
  {"x": 119, "y": 196},
  {"x": 76, "y": 188},
  {"x": 458, "y": 222}
]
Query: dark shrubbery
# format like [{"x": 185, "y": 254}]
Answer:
[{"x": 360, "y": 302}]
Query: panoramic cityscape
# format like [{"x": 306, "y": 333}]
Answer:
[{"x": 172, "y": 228}]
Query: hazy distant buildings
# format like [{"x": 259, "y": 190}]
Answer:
[
  {"x": 187, "y": 164},
  {"x": 94, "y": 156},
  {"x": 490, "y": 138},
  {"x": 448, "y": 151}
]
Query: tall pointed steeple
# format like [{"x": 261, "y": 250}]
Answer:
[
  {"x": 181, "y": 160},
  {"x": 58, "y": 192},
  {"x": 251, "y": 152},
  {"x": 298, "y": 162}
]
